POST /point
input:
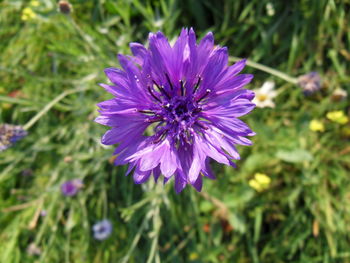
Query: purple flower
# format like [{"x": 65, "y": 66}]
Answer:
[
  {"x": 72, "y": 187},
  {"x": 43, "y": 213},
  {"x": 310, "y": 83},
  {"x": 33, "y": 249},
  {"x": 175, "y": 107},
  {"x": 10, "y": 134},
  {"x": 102, "y": 229}
]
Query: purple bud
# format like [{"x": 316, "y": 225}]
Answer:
[
  {"x": 10, "y": 134},
  {"x": 102, "y": 229},
  {"x": 43, "y": 213},
  {"x": 33, "y": 249},
  {"x": 310, "y": 83},
  {"x": 72, "y": 187}
]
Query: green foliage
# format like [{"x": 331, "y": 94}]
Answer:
[{"x": 303, "y": 216}]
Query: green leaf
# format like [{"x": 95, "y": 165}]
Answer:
[
  {"x": 237, "y": 222},
  {"x": 294, "y": 156}
]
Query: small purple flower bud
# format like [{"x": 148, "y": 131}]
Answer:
[
  {"x": 310, "y": 83},
  {"x": 43, "y": 213},
  {"x": 10, "y": 134},
  {"x": 27, "y": 172},
  {"x": 102, "y": 229},
  {"x": 33, "y": 249},
  {"x": 72, "y": 187},
  {"x": 65, "y": 7}
]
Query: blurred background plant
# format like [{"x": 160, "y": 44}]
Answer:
[{"x": 289, "y": 198}]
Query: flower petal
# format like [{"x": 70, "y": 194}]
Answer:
[
  {"x": 169, "y": 161},
  {"x": 139, "y": 51},
  {"x": 141, "y": 176},
  {"x": 198, "y": 184},
  {"x": 180, "y": 183}
]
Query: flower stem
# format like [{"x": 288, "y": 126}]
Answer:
[
  {"x": 137, "y": 237},
  {"x": 267, "y": 69},
  {"x": 86, "y": 37},
  {"x": 157, "y": 222},
  {"x": 48, "y": 106}
]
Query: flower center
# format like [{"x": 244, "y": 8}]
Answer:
[
  {"x": 261, "y": 97},
  {"x": 180, "y": 115},
  {"x": 101, "y": 229},
  {"x": 181, "y": 109},
  {"x": 176, "y": 112}
]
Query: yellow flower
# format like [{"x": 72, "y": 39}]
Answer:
[
  {"x": 316, "y": 125},
  {"x": 34, "y": 3},
  {"x": 260, "y": 182},
  {"x": 28, "y": 14},
  {"x": 27, "y": 11},
  {"x": 193, "y": 256},
  {"x": 24, "y": 17},
  {"x": 338, "y": 116}
]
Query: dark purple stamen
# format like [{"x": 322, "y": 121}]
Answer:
[
  {"x": 202, "y": 126},
  {"x": 168, "y": 79},
  {"x": 162, "y": 90},
  {"x": 160, "y": 135},
  {"x": 197, "y": 85},
  {"x": 204, "y": 95},
  {"x": 146, "y": 111},
  {"x": 152, "y": 94},
  {"x": 197, "y": 110},
  {"x": 155, "y": 119},
  {"x": 182, "y": 88}
]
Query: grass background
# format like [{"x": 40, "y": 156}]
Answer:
[{"x": 304, "y": 216}]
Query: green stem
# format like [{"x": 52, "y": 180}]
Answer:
[
  {"x": 156, "y": 224},
  {"x": 267, "y": 69},
  {"x": 136, "y": 238},
  {"x": 86, "y": 37},
  {"x": 14, "y": 100},
  {"x": 33, "y": 120}
]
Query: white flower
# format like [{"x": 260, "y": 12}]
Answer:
[{"x": 265, "y": 95}]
